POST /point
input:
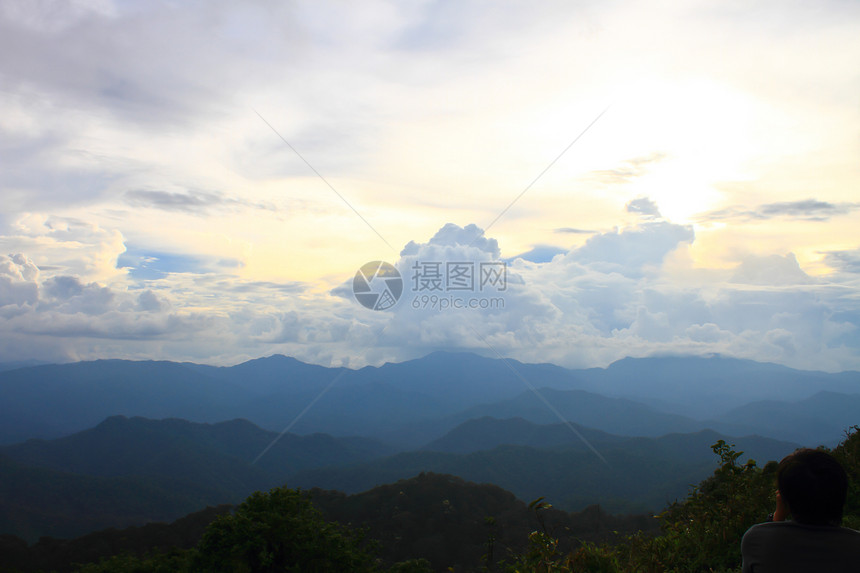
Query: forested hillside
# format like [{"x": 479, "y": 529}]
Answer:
[
  {"x": 129, "y": 471},
  {"x": 433, "y": 523},
  {"x": 441, "y": 518}
]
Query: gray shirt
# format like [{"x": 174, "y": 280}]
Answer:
[{"x": 790, "y": 547}]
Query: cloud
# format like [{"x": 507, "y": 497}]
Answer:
[
  {"x": 805, "y": 210},
  {"x": 611, "y": 297},
  {"x": 66, "y": 245},
  {"x": 451, "y": 235},
  {"x": 148, "y": 301},
  {"x": 114, "y": 115},
  {"x": 71, "y": 296},
  {"x": 18, "y": 280},
  {"x": 52, "y": 17},
  {"x": 644, "y": 207},
  {"x": 142, "y": 62},
  {"x": 540, "y": 254},
  {"x": 630, "y": 252},
  {"x": 628, "y": 171},
  {"x": 844, "y": 261},
  {"x": 770, "y": 270},
  {"x": 18, "y": 267},
  {"x": 196, "y": 202}
]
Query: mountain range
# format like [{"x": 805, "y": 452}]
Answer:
[
  {"x": 127, "y": 471},
  {"x": 411, "y": 403},
  {"x": 113, "y": 443}
]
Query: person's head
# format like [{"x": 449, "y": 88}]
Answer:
[{"x": 814, "y": 486}]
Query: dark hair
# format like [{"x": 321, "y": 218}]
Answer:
[{"x": 814, "y": 486}]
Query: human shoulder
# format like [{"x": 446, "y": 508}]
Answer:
[
  {"x": 793, "y": 528},
  {"x": 788, "y": 530},
  {"x": 788, "y": 546},
  {"x": 770, "y": 527}
]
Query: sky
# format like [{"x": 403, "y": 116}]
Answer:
[{"x": 201, "y": 181}]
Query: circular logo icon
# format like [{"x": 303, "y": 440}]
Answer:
[{"x": 377, "y": 285}]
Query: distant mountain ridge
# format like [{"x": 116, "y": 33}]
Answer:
[
  {"x": 416, "y": 401},
  {"x": 822, "y": 414},
  {"x": 128, "y": 471},
  {"x": 634, "y": 474},
  {"x": 721, "y": 383},
  {"x": 140, "y": 446}
]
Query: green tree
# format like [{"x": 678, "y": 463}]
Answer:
[
  {"x": 848, "y": 454},
  {"x": 701, "y": 533},
  {"x": 280, "y": 530},
  {"x": 176, "y": 561}
]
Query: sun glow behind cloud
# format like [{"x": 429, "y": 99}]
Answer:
[{"x": 138, "y": 163}]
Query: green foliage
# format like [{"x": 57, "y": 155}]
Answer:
[
  {"x": 280, "y": 531},
  {"x": 174, "y": 562},
  {"x": 701, "y": 533},
  {"x": 411, "y": 566},
  {"x": 595, "y": 559},
  {"x": 542, "y": 554},
  {"x": 642, "y": 472},
  {"x": 848, "y": 454}
]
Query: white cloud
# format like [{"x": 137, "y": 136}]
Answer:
[
  {"x": 589, "y": 307},
  {"x": 18, "y": 281},
  {"x": 632, "y": 251},
  {"x": 131, "y": 126},
  {"x": 770, "y": 270}
]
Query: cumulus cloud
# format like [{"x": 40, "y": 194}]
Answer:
[
  {"x": 66, "y": 245},
  {"x": 632, "y": 251},
  {"x": 18, "y": 280},
  {"x": 148, "y": 301},
  {"x": 597, "y": 304},
  {"x": 110, "y": 110},
  {"x": 604, "y": 300},
  {"x": 18, "y": 267},
  {"x": 451, "y": 235},
  {"x": 773, "y": 270},
  {"x": 72, "y": 296}
]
